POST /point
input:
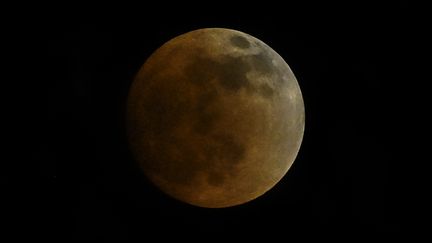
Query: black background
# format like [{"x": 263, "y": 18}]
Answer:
[{"x": 85, "y": 185}]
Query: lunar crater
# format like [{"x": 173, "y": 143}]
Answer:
[{"x": 240, "y": 41}]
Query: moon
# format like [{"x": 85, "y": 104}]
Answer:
[{"x": 215, "y": 118}]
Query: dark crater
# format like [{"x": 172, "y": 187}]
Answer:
[{"x": 240, "y": 41}]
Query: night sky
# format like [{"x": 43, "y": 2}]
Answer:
[{"x": 84, "y": 183}]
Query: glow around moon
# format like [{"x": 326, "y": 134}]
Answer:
[{"x": 215, "y": 118}]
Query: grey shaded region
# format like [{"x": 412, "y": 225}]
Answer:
[
  {"x": 240, "y": 41},
  {"x": 231, "y": 72}
]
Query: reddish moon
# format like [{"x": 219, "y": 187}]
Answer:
[{"x": 215, "y": 118}]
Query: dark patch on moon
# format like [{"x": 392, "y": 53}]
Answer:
[
  {"x": 266, "y": 91},
  {"x": 227, "y": 148},
  {"x": 240, "y": 42},
  {"x": 221, "y": 154},
  {"x": 262, "y": 63},
  {"x": 224, "y": 153},
  {"x": 200, "y": 71},
  {"x": 207, "y": 113},
  {"x": 231, "y": 72},
  {"x": 180, "y": 163}
]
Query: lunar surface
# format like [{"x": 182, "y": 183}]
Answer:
[{"x": 215, "y": 118}]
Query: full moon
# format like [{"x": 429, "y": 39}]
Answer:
[{"x": 215, "y": 118}]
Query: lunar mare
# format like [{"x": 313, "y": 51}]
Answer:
[{"x": 215, "y": 117}]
